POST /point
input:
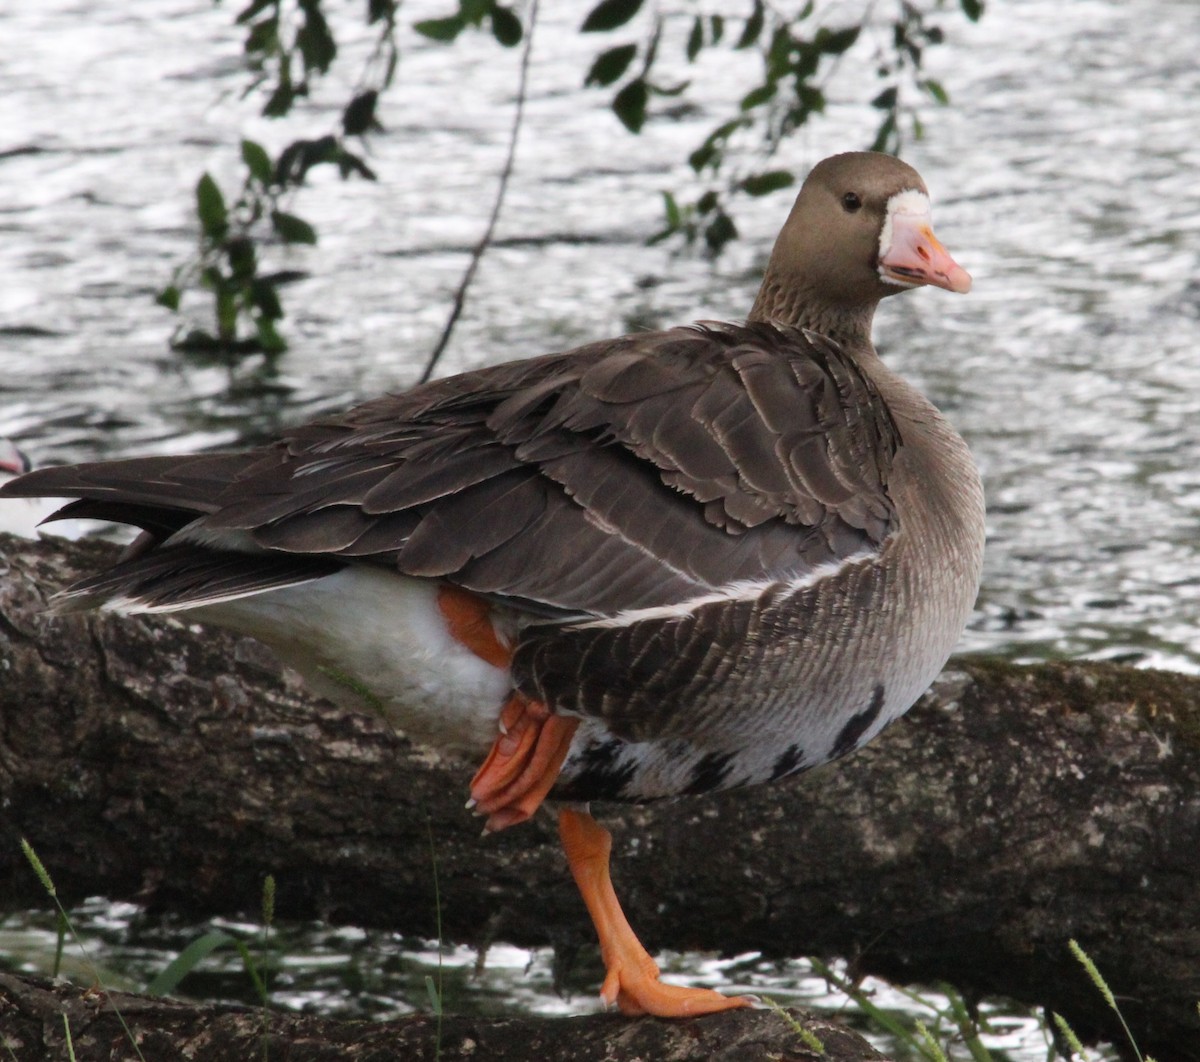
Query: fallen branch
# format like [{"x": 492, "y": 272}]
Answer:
[
  {"x": 35, "y": 1017},
  {"x": 1013, "y": 809}
]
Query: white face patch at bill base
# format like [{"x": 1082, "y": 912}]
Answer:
[{"x": 910, "y": 203}]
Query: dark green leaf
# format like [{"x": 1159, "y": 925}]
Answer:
[
  {"x": 210, "y": 208},
  {"x": 349, "y": 163},
  {"x": 441, "y": 29},
  {"x": 809, "y": 99},
  {"x": 780, "y": 53},
  {"x": 886, "y": 100},
  {"x": 671, "y": 209},
  {"x": 771, "y": 181},
  {"x": 227, "y": 314},
  {"x": 804, "y": 66},
  {"x": 753, "y": 27},
  {"x": 197, "y": 340},
  {"x": 695, "y": 39},
  {"x": 609, "y": 14},
  {"x": 611, "y": 65},
  {"x": 315, "y": 41},
  {"x": 936, "y": 90},
  {"x": 262, "y": 37},
  {"x": 886, "y": 138},
  {"x": 707, "y": 202},
  {"x": 719, "y": 231},
  {"x": 359, "y": 116},
  {"x": 506, "y": 27},
  {"x": 292, "y": 229},
  {"x": 716, "y": 28},
  {"x": 726, "y": 129},
  {"x": 280, "y": 101},
  {"x": 658, "y": 237},
  {"x": 257, "y": 161},
  {"x": 757, "y": 97},
  {"x": 243, "y": 262},
  {"x": 668, "y": 90},
  {"x": 265, "y": 296},
  {"x": 973, "y": 9},
  {"x": 298, "y": 158},
  {"x": 474, "y": 11},
  {"x": 630, "y": 104},
  {"x": 256, "y": 7},
  {"x": 702, "y": 156},
  {"x": 269, "y": 339},
  {"x": 168, "y": 297},
  {"x": 212, "y": 278},
  {"x": 381, "y": 10},
  {"x": 834, "y": 42}
]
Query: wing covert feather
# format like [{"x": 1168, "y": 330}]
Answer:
[{"x": 642, "y": 471}]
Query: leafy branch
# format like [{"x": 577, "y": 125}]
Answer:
[
  {"x": 290, "y": 45},
  {"x": 798, "y": 52}
]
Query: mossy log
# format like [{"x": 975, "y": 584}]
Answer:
[
  {"x": 37, "y": 1016},
  {"x": 1013, "y": 809}
]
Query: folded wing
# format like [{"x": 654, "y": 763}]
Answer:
[{"x": 636, "y": 473}]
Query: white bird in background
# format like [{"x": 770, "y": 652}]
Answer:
[{"x": 21, "y": 516}]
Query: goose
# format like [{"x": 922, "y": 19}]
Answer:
[{"x": 664, "y": 564}]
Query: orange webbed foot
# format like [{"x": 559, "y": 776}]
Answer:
[
  {"x": 523, "y": 764},
  {"x": 636, "y": 989},
  {"x": 632, "y": 979}
]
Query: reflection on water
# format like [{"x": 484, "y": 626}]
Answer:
[
  {"x": 1063, "y": 176},
  {"x": 355, "y": 974}
]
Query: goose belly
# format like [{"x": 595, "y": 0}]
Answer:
[{"x": 374, "y": 640}]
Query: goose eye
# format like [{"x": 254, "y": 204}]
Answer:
[{"x": 851, "y": 202}]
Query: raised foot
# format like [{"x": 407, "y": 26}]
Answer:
[
  {"x": 523, "y": 764},
  {"x": 632, "y": 980},
  {"x": 525, "y": 759}
]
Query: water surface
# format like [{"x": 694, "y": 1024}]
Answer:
[{"x": 1063, "y": 178}]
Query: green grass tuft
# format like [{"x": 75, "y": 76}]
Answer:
[
  {"x": 1085, "y": 961},
  {"x": 70, "y": 1042},
  {"x": 43, "y": 876},
  {"x": 811, "y": 1040},
  {"x": 1068, "y": 1034},
  {"x": 1097, "y": 979},
  {"x": 42, "y": 873},
  {"x": 931, "y": 1045}
]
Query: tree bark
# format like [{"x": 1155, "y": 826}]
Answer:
[
  {"x": 1013, "y": 809},
  {"x": 32, "y": 1025}
]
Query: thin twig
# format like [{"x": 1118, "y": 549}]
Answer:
[{"x": 460, "y": 296}]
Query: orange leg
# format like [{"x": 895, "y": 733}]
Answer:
[
  {"x": 632, "y": 979},
  {"x": 524, "y": 762},
  {"x": 469, "y": 618}
]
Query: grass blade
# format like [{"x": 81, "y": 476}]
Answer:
[{"x": 186, "y": 961}]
